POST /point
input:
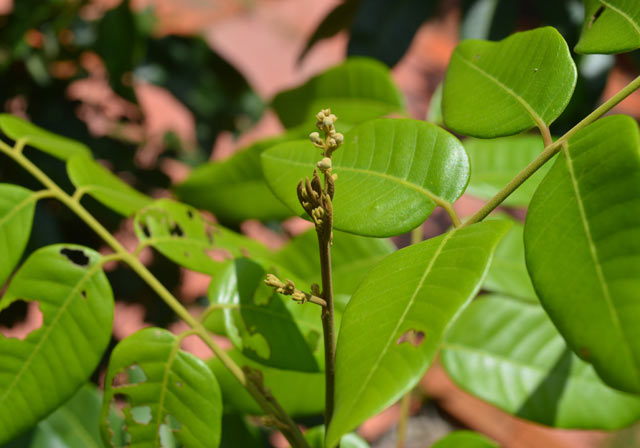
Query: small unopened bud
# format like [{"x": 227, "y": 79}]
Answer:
[
  {"x": 327, "y": 122},
  {"x": 331, "y": 142},
  {"x": 315, "y": 138},
  {"x": 339, "y": 138},
  {"x": 324, "y": 164}
]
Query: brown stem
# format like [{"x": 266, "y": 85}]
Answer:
[{"x": 328, "y": 329}]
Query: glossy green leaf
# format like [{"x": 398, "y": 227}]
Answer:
[
  {"x": 357, "y": 90},
  {"x": 299, "y": 393},
  {"x": 74, "y": 424},
  {"x": 465, "y": 439},
  {"x": 96, "y": 181},
  {"x": 582, "y": 246},
  {"x": 45, "y": 369},
  {"x": 58, "y": 146},
  {"x": 266, "y": 326},
  {"x": 176, "y": 395},
  {"x": 508, "y": 353},
  {"x": 234, "y": 189},
  {"x": 508, "y": 272},
  {"x": 494, "y": 89},
  {"x": 610, "y": 26},
  {"x": 352, "y": 257},
  {"x": 315, "y": 438},
  {"x": 391, "y": 175},
  {"x": 395, "y": 321},
  {"x": 183, "y": 235},
  {"x": 17, "y": 206},
  {"x": 495, "y": 162}
]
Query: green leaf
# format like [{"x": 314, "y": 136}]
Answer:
[
  {"x": 465, "y": 439},
  {"x": 45, "y": 369},
  {"x": 236, "y": 433},
  {"x": 267, "y": 327},
  {"x": 395, "y": 321},
  {"x": 611, "y": 26},
  {"x": 315, "y": 438},
  {"x": 74, "y": 424},
  {"x": 508, "y": 353},
  {"x": 391, "y": 175},
  {"x": 582, "y": 246},
  {"x": 494, "y": 89},
  {"x": 356, "y": 91},
  {"x": 234, "y": 189},
  {"x": 176, "y": 395},
  {"x": 299, "y": 393},
  {"x": 508, "y": 272},
  {"x": 183, "y": 235},
  {"x": 56, "y": 145},
  {"x": 495, "y": 162},
  {"x": 352, "y": 257},
  {"x": 98, "y": 182},
  {"x": 17, "y": 206}
]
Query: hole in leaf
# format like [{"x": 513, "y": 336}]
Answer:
[
  {"x": 116, "y": 426},
  {"x": 75, "y": 256},
  {"x": 20, "y": 319},
  {"x": 176, "y": 230},
  {"x": 190, "y": 214},
  {"x": 596, "y": 15},
  {"x": 218, "y": 255},
  {"x": 141, "y": 414},
  {"x": 256, "y": 343},
  {"x": 411, "y": 336},
  {"x": 83, "y": 293},
  {"x": 145, "y": 230},
  {"x": 131, "y": 375},
  {"x": 209, "y": 234}
]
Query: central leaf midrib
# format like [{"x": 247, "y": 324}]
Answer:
[
  {"x": 597, "y": 265},
  {"x": 163, "y": 388},
  {"x": 528, "y": 108}
]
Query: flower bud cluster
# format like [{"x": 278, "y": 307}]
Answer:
[{"x": 325, "y": 121}]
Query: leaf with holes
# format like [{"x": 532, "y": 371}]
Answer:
[
  {"x": 610, "y": 26},
  {"x": 582, "y": 247},
  {"x": 495, "y": 162},
  {"x": 352, "y": 256},
  {"x": 175, "y": 395},
  {"x": 74, "y": 424},
  {"x": 267, "y": 327},
  {"x": 508, "y": 353},
  {"x": 17, "y": 206},
  {"x": 465, "y": 439},
  {"x": 56, "y": 145},
  {"x": 45, "y": 369},
  {"x": 395, "y": 321},
  {"x": 494, "y": 89},
  {"x": 358, "y": 90},
  {"x": 234, "y": 189},
  {"x": 508, "y": 272},
  {"x": 392, "y": 173},
  {"x": 98, "y": 182},
  {"x": 301, "y": 394},
  {"x": 183, "y": 235}
]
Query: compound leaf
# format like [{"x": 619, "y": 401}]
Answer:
[
  {"x": 392, "y": 173},
  {"x": 299, "y": 393},
  {"x": 396, "y": 319},
  {"x": 508, "y": 353},
  {"x": 183, "y": 235},
  {"x": 172, "y": 395},
  {"x": 45, "y": 369},
  {"x": 582, "y": 247},
  {"x": 495, "y": 89},
  {"x": 267, "y": 327},
  {"x": 98, "y": 182},
  {"x": 495, "y": 162},
  {"x": 56, "y": 145},
  {"x": 357, "y": 90},
  {"x": 610, "y": 26},
  {"x": 17, "y": 206}
]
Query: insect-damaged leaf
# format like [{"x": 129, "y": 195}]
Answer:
[
  {"x": 172, "y": 395},
  {"x": 183, "y": 235},
  {"x": 396, "y": 319},
  {"x": 45, "y": 369},
  {"x": 265, "y": 326},
  {"x": 610, "y": 26}
]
